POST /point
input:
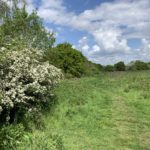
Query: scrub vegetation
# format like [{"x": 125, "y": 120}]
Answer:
[{"x": 53, "y": 98}]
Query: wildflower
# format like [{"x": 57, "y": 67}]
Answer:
[{"x": 26, "y": 79}]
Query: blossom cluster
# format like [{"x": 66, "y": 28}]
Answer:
[{"x": 26, "y": 80}]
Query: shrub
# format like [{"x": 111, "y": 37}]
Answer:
[
  {"x": 138, "y": 65},
  {"x": 71, "y": 61},
  {"x": 109, "y": 68},
  {"x": 91, "y": 68},
  {"x": 11, "y": 136},
  {"x": 120, "y": 66},
  {"x": 148, "y": 64},
  {"x": 68, "y": 59},
  {"x": 101, "y": 67},
  {"x": 42, "y": 142},
  {"x": 25, "y": 82}
]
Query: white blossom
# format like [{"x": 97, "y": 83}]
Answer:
[{"x": 26, "y": 78}]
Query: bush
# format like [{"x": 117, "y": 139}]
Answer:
[
  {"x": 148, "y": 64},
  {"x": 25, "y": 83},
  {"x": 42, "y": 142},
  {"x": 91, "y": 68},
  {"x": 70, "y": 60},
  {"x": 120, "y": 66},
  {"x": 138, "y": 65},
  {"x": 11, "y": 136},
  {"x": 109, "y": 68}
]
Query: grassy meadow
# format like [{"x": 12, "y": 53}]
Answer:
[
  {"x": 106, "y": 112},
  {"x": 52, "y": 97}
]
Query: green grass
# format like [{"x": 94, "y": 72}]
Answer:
[{"x": 108, "y": 112}]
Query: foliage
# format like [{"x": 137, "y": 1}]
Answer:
[
  {"x": 120, "y": 66},
  {"x": 11, "y": 136},
  {"x": 138, "y": 65},
  {"x": 25, "y": 28},
  {"x": 42, "y": 142},
  {"x": 3, "y": 8},
  {"x": 109, "y": 68},
  {"x": 91, "y": 69},
  {"x": 101, "y": 67},
  {"x": 94, "y": 110},
  {"x": 25, "y": 82},
  {"x": 148, "y": 64},
  {"x": 70, "y": 60}
]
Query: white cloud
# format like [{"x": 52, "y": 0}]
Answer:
[
  {"x": 95, "y": 54},
  {"x": 53, "y": 11},
  {"x": 83, "y": 45},
  {"x": 111, "y": 24},
  {"x": 110, "y": 40},
  {"x": 96, "y": 48},
  {"x": 30, "y": 6},
  {"x": 145, "y": 49}
]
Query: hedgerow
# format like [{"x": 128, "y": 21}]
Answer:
[
  {"x": 25, "y": 82},
  {"x": 72, "y": 62}
]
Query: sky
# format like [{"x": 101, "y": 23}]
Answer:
[{"x": 105, "y": 31}]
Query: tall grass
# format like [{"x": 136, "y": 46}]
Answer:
[{"x": 110, "y": 111}]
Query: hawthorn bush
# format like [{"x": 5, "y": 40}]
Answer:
[{"x": 26, "y": 82}]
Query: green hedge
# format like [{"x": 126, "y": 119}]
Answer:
[{"x": 70, "y": 60}]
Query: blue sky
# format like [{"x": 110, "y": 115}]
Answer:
[
  {"x": 105, "y": 31},
  {"x": 78, "y": 6}
]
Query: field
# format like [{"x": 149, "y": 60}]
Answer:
[{"x": 107, "y": 112}]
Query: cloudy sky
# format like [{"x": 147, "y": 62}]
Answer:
[{"x": 105, "y": 31}]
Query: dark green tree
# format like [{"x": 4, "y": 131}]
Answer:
[
  {"x": 148, "y": 64},
  {"x": 139, "y": 65},
  {"x": 120, "y": 66},
  {"x": 109, "y": 68},
  {"x": 67, "y": 58},
  {"x": 71, "y": 61},
  {"x": 91, "y": 68}
]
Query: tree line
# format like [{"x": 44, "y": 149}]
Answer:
[
  {"x": 31, "y": 65},
  {"x": 132, "y": 66}
]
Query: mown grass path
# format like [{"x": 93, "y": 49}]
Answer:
[{"x": 109, "y": 112}]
